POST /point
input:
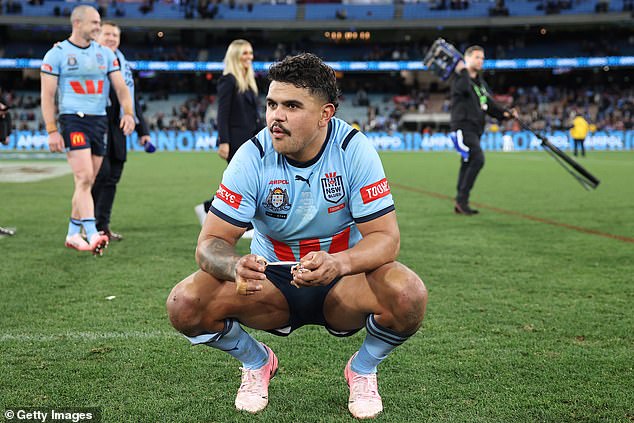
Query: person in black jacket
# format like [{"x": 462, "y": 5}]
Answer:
[
  {"x": 238, "y": 116},
  {"x": 470, "y": 101},
  {"x": 238, "y": 112},
  {"x": 105, "y": 187}
]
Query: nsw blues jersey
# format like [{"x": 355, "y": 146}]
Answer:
[
  {"x": 82, "y": 76},
  {"x": 296, "y": 208}
]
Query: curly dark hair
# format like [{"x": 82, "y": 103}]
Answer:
[{"x": 307, "y": 71}]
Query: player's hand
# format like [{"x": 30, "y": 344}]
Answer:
[
  {"x": 144, "y": 139},
  {"x": 127, "y": 124},
  {"x": 55, "y": 142},
  {"x": 460, "y": 66},
  {"x": 512, "y": 113},
  {"x": 223, "y": 151},
  {"x": 316, "y": 268},
  {"x": 250, "y": 274}
]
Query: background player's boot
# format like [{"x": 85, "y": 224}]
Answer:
[
  {"x": 7, "y": 231},
  {"x": 201, "y": 214},
  {"x": 98, "y": 243},
  {"x": 253, "y": 395},
  {"x": 365, "y": 401},
  {"x": 77, "y": 242},
  {"x": 113, "y": 236},
  {"x": 464, "y": 209}
]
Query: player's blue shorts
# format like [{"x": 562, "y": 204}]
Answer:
[
  {"x": 86, "y": 131},
  {"x": 306, "y": 305}
]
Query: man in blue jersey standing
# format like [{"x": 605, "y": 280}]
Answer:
[
  {"x": 79, "y": 71},
  {"x": 324, "y": 249}
]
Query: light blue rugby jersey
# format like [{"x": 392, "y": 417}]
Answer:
[
  {"x": 296, "y": 208},
  {"x": 82, "y": 85}
]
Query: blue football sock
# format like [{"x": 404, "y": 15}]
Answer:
[
  {"x": 378, "y": 343},
  {"x": 89, "y": 227},
  {"x": 74, "y": 226},
  {"x": 238, "y": 343}
]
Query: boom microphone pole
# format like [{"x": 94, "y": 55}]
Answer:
[{"x": 585, "y": 178}]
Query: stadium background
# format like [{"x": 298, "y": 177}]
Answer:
[
  {"x": 549, "y": 58},
  {"x": 529, "y": 318}
]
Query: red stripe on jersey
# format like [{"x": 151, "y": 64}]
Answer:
[
  {"x": 100, "y": 87},
  {"x": 90, "y": 86},
  {"x": 77, "y": 87},
  {"x": 282, "y": 251},
  {"x": 375, "y": 191},
  {"x": 340, "y": 242},
  {"x": 308, "y": 245}
]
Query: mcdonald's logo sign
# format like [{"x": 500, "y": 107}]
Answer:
[{"x": 77, "y": 139}]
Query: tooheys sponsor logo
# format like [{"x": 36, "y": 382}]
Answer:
[
  {"x": 46, "y": 67},
  {"x": 375, "y": 191},
  {"x": 231, "y": 198}
]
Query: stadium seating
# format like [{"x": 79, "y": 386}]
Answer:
[
  {"x": 349, "y": 12},
  {"x": 260, "y": 11},
  {"x": 257, "y": 12}
]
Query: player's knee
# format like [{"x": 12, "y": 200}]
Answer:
[
  {"x": 184, "y": 309},
  {"x": 409, "y": 298},
  {"x": 84, "y": 180}
]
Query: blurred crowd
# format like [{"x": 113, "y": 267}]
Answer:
[
  {"x": 545, "y": 108},
  {"x": 554, "y": 107}
]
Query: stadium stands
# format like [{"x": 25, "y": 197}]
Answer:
[
  {"x": 349, "y": 12},
  {"x": 549, "y": 108},
  {"x": 263, "y": 11}
]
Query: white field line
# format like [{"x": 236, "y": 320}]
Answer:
[{"x": 86, "y": 336}]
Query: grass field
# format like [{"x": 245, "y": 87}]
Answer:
[{"x": 527, "y": 318}]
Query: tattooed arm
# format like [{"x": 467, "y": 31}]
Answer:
[
  {"x": 218, "y": 258},
  {"x": 216, "y": 255}
]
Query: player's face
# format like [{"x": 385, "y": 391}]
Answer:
[
  {"x": 475, "y": 60},
  {"x": 90, "y": 25},
  {"x": 246, "y": 57},
  {"x": 296, "y": 120},
  {"x": 110, "y": 37}
]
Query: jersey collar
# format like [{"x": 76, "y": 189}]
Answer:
[{"x": 75, "y": 45}]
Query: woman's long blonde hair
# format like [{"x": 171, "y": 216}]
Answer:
[{"x": 245, "y": 80}]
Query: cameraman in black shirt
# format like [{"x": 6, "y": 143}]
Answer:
[{"x": 469, "y": 103}]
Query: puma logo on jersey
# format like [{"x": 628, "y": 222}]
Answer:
[{"x": 301, "y": 178}]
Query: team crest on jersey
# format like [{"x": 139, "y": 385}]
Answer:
[
  {"x": 277, "y": 200},
  {"x": 72, "y": 60},
  {"x": 100, "y": 59},
  {"x": 332, "y": 187}
]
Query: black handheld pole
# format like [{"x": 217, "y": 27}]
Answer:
[{"x": 585, "y": 178}]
